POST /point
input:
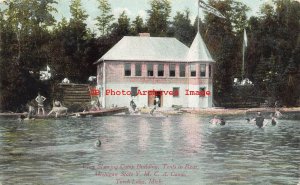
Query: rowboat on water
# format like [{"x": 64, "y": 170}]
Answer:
[{"x": 102, "y": 112}]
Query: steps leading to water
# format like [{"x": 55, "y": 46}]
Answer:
[{"x": 73, "y": 95}]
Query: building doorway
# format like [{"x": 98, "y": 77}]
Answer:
[{"x": 153, "y": 96}]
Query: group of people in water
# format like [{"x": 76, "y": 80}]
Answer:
[{"x": 259, "y": 120}]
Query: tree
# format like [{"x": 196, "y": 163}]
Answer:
[
  {"x": 225, "y": 44},
  {"x": 24, "y": 36},
  {"x": 78, "y": 14},
  {"x": 273, "y": 38},
  {"x": 77, "y": 22},
  {"x": 138, "y": 26},
  {"x": 122, "y": 27},
  {"x": 158, "y": 17},
  {"x": 105, "y": 19},
  {"x": 77, "y": 48},
  {"x": 182, "y": 28}
]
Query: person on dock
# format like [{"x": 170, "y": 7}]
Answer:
[
  {"x": 276, "y": 104},
  {"x": 132, "y": 105},
  {"x": 259, "y": 120},
  {"x": 58, "y": 108},
  {"x": 29, "y": 115},
  {"x": 157, "y": 102},
  {"x": 152, "y": 110},
  {"x": 95, "y": 105},
  {"x": 40, "y": 100}
]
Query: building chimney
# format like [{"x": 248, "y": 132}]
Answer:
[{"x": 144, "y": 34}]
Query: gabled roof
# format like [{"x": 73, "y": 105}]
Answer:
[
  {"x": 132, "y": 48},
  {"x": 198, "y": 51}
]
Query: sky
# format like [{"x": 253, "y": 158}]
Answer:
[{"x": 140, "y": 7}]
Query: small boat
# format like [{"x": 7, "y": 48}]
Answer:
[{"x": 102, "y": 112}]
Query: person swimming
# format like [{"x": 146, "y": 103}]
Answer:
[
  {"x": 259, "y": 120},
  {"x": 215, "y": 120},
  {"x": 250, "y": 120},
  {"x": 222, "y": 122},
  {"x": 21, "y": 118},
  {"x": 98, "y": 143}
]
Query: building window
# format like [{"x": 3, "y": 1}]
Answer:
[
  {"x": 203, "y": 70},
  {"x": 193, "y": 69},
  {"x": 175, "y": 91},
  {"x": 209, "y": 70},
  {"x": 202, "y": 92},
  {"x": 182, "y": 70},
  {"x": 127, "y": 69},
  {"x": 160, "y": 71},
  {"x": 134, "y": 91},
  {"x": 172, "y": 70},
  {"x": 150, "y": 69},
  {"x": 138, "y": 70}
]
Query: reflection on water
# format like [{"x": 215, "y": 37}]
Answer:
[
  {"x": 143, "y": 134},
  {"x": 167, "y": 131},
  {"x": 191, "y": 136},
  {"x": 116, "y": 134},
  {"x": 63, "y": 152}
]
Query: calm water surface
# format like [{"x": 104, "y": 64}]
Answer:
[{"x": 63, "y": 151}]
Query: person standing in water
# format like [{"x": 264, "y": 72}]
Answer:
[
  {"x": 273, "y": 120},
  {"x": 40, "y": 100},
  {"x": 277, "y": 113},
  {"x": 259, "y": 120}
]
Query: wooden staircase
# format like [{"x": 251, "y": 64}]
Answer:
[{"x": 74, "y": 96}]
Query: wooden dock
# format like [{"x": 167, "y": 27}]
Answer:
[
  {"x": 11, "y": 115},
  {"x": 102, "y": 112}
]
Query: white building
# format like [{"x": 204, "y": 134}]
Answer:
[{"x": 137, "y": 65}]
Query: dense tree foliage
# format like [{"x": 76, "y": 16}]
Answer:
[
  {"x": 31, "y": 39},
  {"x": 224, "y": 40},
  {"x": 273, "y": 54},
  {"x": 182, "y": 29},
  {"x": 138, "y": 26},
  {"x": 158, "y": 17},
  {"x": 122, "y": 27}
]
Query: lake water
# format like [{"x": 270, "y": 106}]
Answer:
[{"x": 174, "y": 150}]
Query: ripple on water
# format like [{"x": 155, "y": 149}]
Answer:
[{"x": 238, "y": 153}]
